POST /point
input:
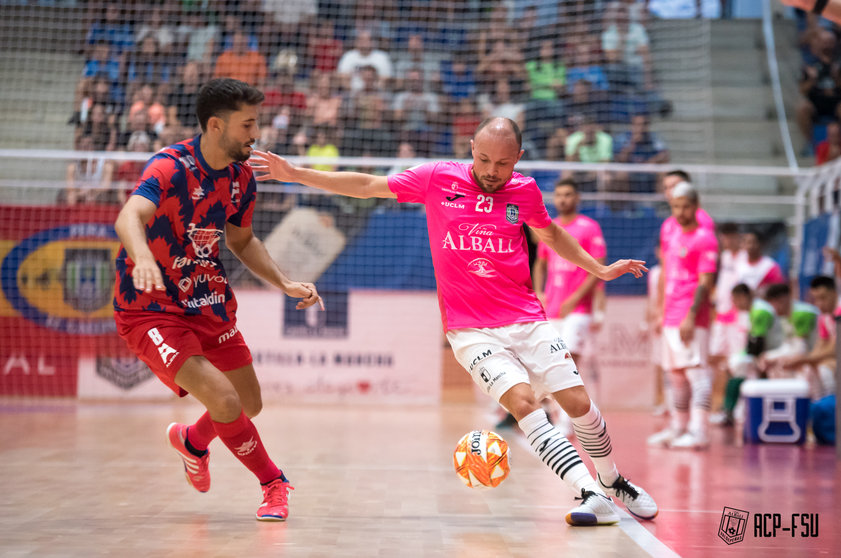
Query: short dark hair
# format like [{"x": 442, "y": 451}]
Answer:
[
  {"x": 518, "y": 135},
  {"x": 682, "y": 174},
  {"x": 777, "y": 290},
  {"x": 728, "y": 228},
  {"x": 568, "y": 181},
  {"x": 822, "y": 281},
  {"x": 740, "y": 290},
  {"x": 222, "y": 96}
]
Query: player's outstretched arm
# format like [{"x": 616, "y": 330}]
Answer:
[
  {"x": 251, "y": 251},
  {"x": 565, "y": 245},
  {"x": 268, "y": 166},
  {"x": 131, "y": 229}
]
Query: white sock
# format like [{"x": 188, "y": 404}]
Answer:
[
  {"x": 591, "y": 431},
  {"x": 552, "y": 447}
]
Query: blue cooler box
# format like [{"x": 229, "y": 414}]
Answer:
[{"x": 776, "y": 411}]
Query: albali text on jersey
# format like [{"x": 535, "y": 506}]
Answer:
[{"x": 194, "y": 202}]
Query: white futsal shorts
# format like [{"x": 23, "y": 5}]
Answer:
[
  {"x": 574, "y": 330},
  {"x": 727, "y": 339},
  {"x": 498, "y": 358},
  {"x": 678, "y": 355}
]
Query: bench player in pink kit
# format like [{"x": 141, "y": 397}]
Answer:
[
  {"x": 173, "y": 304},
  {"x": 492, "y": 318}
]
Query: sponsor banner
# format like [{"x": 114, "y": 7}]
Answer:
[
  {"x": 624, "y": 373},
  {"x": 383, "y": 346},
  {"x": 36, "y": 373},
  {"x": 57, "y": 273},
  {"x": 104, "y": 377}
]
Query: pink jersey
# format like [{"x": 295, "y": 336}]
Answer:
[
  {"x": 728, "y": 278},
  {"x": 688, "y": 256},
  {"x": 564, "y": 278},
  {"x": 477, "y": 241},
  {"x": 826, "y": 324},
  {"x": 669, "y": 226},
  {"x": 764, "y": 271}
]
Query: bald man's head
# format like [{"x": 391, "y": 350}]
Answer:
[{"x": 496, "y": 147}]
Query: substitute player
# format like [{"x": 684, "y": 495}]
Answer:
[
  {"x": 565, "y": 289},
  {"x": 494, "y": 322},
  {"x": 689, "y": 265},
  {"x": 173, "y": 304}
]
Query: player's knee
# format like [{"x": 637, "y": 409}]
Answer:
[
  {"x": 521, "y": 405},
  {"x": 574, "y": 401},
  {"x": 253, "y": 407},
  {"x": 226, "y": 407}
]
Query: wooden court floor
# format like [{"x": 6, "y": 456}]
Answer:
[{"x": 97, "y": 479}]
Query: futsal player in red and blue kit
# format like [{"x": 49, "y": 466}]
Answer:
[{"x": 173, "y": 304}]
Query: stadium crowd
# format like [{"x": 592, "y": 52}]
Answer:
[{"x": 373, "y": 78}]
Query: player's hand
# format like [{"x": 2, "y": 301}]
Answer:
[
  {"x": 146, "y": 275},
  {"x": 271, "y": 167},
  {"x": 307, "y": 292},
  {"x": 621, "y": 267},
  {"x": 802, "y": 4},
  {"x": 687, "y": 330}
]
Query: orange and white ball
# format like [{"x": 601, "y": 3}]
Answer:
[{"x": 481, "y": 459}]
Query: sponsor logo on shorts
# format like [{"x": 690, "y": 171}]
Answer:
[
  {"x": 228, "y": 334},
  {"x": 557, "y": 347},
  {"x": 478, "y": 359},
  {"x": 167, "y": 353},
  {"x": 486, "y": 377}
]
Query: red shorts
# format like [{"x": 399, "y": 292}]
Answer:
[{"x": 165, "y": 341}]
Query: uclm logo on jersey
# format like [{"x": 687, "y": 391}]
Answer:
[{"x": 203, "y": 240}]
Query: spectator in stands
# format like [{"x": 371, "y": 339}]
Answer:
[
  {"x": 417, "y": 58},
  {"x": 364, "y": 55},
  {"x": 625, "y": 46},
  {"x": 99, "y": 129},
  {"x": 324, "y": 104},
  {"x": 583, "y": 66},
  {"x": 324, "y": 50},
  {"x": 589, "y": 144},
  {"x": 556, "y": 144},
  {"x": 414, "y": 21},
  {"x": 232, "y": 23},
  {"x": 87, "y": 179},
  {"x": 98, "y": 92},
  {"x": 281, "y": 92},
  {"x": 755, "y": 269},
  {"x": 830, "y": 148},
  {"x": 503, "y": 61},
  {"x": 405, "y": 151},
  {"x": 365, "y": 115},
  {"x": 128, "y": 172},
  {"x": 201, "y": 38},
  {"x": 638, "y": 145},
  {"x": 147, "y": 64},
  {"x": 322, "y": 146},
  {"x": 547, "y": 74},
  {"x": 103, "y": 63},
  {"x": 584, "y": 101},
  {"x": 458, "y": 80},
  {"x": 112, "y": 29},
  {"x": 138, "y": 121},
  {"x": 242, "y": 63},
  {"x": 820, "y": 85},
  {"x": 181, "y": 103},
  {"x": 465, "y": 119},
  {"x": 368, "y": 19},
  {"x": 500, "y": 102},
  {"x": 159, "y": 27},
  {"x": 147, "y": 98},
  {"x": 416, "y": 112}
]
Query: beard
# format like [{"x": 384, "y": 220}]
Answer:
[{"x": 237, "y": 151}]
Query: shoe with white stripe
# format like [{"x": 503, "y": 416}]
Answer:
[
  {"x": 195, "y": 468},
  {"x": 637, "y": 500},
  {"x": 594, "y": 509}
]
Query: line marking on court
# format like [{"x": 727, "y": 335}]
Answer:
[{"x": 629, "y": 525}]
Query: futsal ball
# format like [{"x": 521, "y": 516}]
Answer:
[{"x": 481, "y": 459}]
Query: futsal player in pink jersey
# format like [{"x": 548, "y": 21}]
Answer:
[
  {"x": 689, "y": 265},
  {"x": 491, "y": 315},
  {"x": 172, "y": 301},
  {"x": 565, "y": 289}
]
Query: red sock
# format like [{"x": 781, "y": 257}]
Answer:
[
  {"x": 242, "y": 439},
  {"x": 200, "y": 435}
]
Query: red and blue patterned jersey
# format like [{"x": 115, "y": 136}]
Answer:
[{"x": 194, "y": 204}]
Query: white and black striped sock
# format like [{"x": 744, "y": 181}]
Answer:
[
  {"x": 552, "y": 447},
  {"x": 591, "y": 431}
]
